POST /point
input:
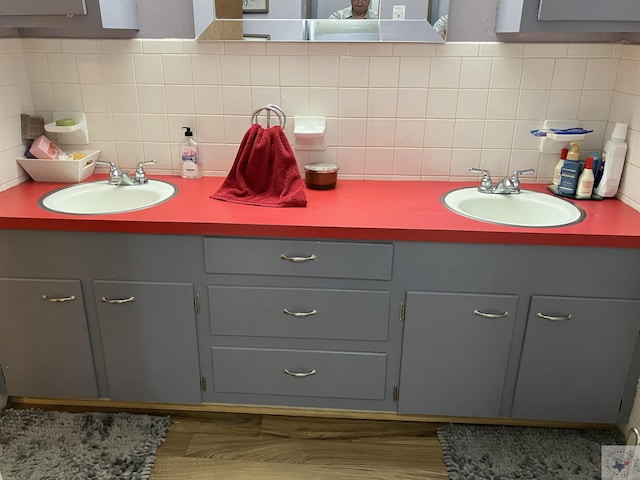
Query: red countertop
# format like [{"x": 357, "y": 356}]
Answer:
[{"x": 358, "y": 210}]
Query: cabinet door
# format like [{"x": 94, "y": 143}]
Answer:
[
  {"x": 455, "y": 352},
  {"x": 575, "y": 358},
  {"x": 579, "y": 10},
  {"x": 38, "y": 7},
  {"x": 149, "y": 341},
  {"x": 44, "y": 344}
]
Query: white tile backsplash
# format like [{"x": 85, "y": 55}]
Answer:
[
  {"x": 396, "y": 111},
  {"x": 148, "y": 68},
  {"x": 120, "y": 68}
]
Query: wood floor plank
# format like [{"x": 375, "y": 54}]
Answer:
[
  {"x": 175, "y": 444},
  {"x": 208, "y": 469},
  {"x": 222, "y": 424},
  {"x": 312, "y": 451},
  {"x": 300, "y": 427}
]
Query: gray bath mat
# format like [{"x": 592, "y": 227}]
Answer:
[
  {"x": 482, "y": 452},
  {"x": 41, "y": 445}
]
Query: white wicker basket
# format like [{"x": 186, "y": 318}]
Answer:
[{"x": 68, "y": 171}]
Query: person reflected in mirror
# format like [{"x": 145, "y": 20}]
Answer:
[{"x": 358, "y": 9}]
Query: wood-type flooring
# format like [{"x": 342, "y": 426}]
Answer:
[{"x": 230, "y": 446}]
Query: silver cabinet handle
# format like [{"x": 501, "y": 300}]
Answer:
[
  {"x": 490, "y": 315},
  {"x": 115, "y": 301},
  {"x": 300, "y": 314},
  {"x": 300, "y": 374},
  {"x": 311, "y": 257},
  {"x": 70, "y": 298},
  {"x": 554, "y": 318}
]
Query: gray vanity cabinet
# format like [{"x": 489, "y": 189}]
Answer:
[
  {"x": 149, "y": 339},
  {"x": 575, "y": 359},
  {"x": 535, "y": 363},
  {"x": 455, "y": 353},
  {"x": 300, "y": 323},
  {"x": 44, "y": 345}
]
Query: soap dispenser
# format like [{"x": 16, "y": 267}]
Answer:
[{"x": 189, "y": 156}]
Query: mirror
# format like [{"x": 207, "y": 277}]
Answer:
[{"x": 308, "y": 20}]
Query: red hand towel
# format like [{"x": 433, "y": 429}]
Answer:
[{"x": 265, "y": 172}]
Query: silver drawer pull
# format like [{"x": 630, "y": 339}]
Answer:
[
  {"x": 490, "y": 315},
  {"x": 300, "y": 314},
  {"x": 300, "y": 374},
  {"x": 70, "y": 298},
  {"x": 311, "y": 257},
  {"x": 554, "y": 318},
  {"x": 115, "y": 301}
]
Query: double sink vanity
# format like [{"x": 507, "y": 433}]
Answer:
[{"x": 376, "y": 297}]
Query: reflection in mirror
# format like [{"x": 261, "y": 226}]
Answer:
[{"x": 294, "y": 20}]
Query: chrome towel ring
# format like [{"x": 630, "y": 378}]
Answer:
[{"x": 282, "y": 118}]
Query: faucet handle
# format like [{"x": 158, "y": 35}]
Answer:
[
  {"x": 141, "y": 176},
  {"x": 486, "y": 173},
  {"x": 112, "y": 166},
  {"x": 517, "y": 173},
  {"x": 486, "y": 183},
  {"x": 515, "y": 178},
  {"x": 115, "y": 174}
]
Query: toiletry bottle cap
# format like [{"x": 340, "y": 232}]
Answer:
[
  {"x": 574, "y": 153},
  {"x": 188, "y": 132},
  {"x": 619, "y": 131},
  {"x": 588, "y": 164},
  {"x": 563, "y": 153}
]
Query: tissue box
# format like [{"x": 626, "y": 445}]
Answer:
[{"x": 66, "y": 171}]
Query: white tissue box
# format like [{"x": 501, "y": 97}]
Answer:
[{"x": 66, "y": 171}]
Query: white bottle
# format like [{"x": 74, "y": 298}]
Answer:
[
  {"x": 189, "y": 156},
  {"x": 558, "y": 168},
  {"x": 612, "y": 162},
  {"x": 585, "y": 181}
]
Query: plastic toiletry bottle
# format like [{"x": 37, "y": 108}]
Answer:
[
  {"x": 570, "y": 171},
  {"x": 558, "y": 168},
  {"x": 596, "y": 162},
  {"x": 612, "y": 163},
  {"x": 585, "y": 181},
  {"x": 189, "y": 156}
]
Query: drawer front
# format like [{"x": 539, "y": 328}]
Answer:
[
  {"x": 299, "y": 312},
  {"x": 303, "y": 258},
  {"x": 355, "y": 375}
]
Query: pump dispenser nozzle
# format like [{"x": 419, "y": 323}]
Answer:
[{"x": 574, "y": 152}]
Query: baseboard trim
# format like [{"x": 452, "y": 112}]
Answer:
[{"x": 203, "y": 409}]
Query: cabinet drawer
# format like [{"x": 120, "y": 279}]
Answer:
[
  {"x": 299, "y": 312},
  {"x": 304, "y": 258},
  {"x": 356, "y": 375}
]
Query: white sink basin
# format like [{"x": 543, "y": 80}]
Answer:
[
  {"x": 525, "y": 209},
  {"x": 95, "y": 198}
]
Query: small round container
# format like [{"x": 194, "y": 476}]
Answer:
[{"x": 321, "y": 176}]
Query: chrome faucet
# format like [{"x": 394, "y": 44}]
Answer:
[
  {"x": 117, "y": 176},
  {"x": 507, "y": 185}
]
